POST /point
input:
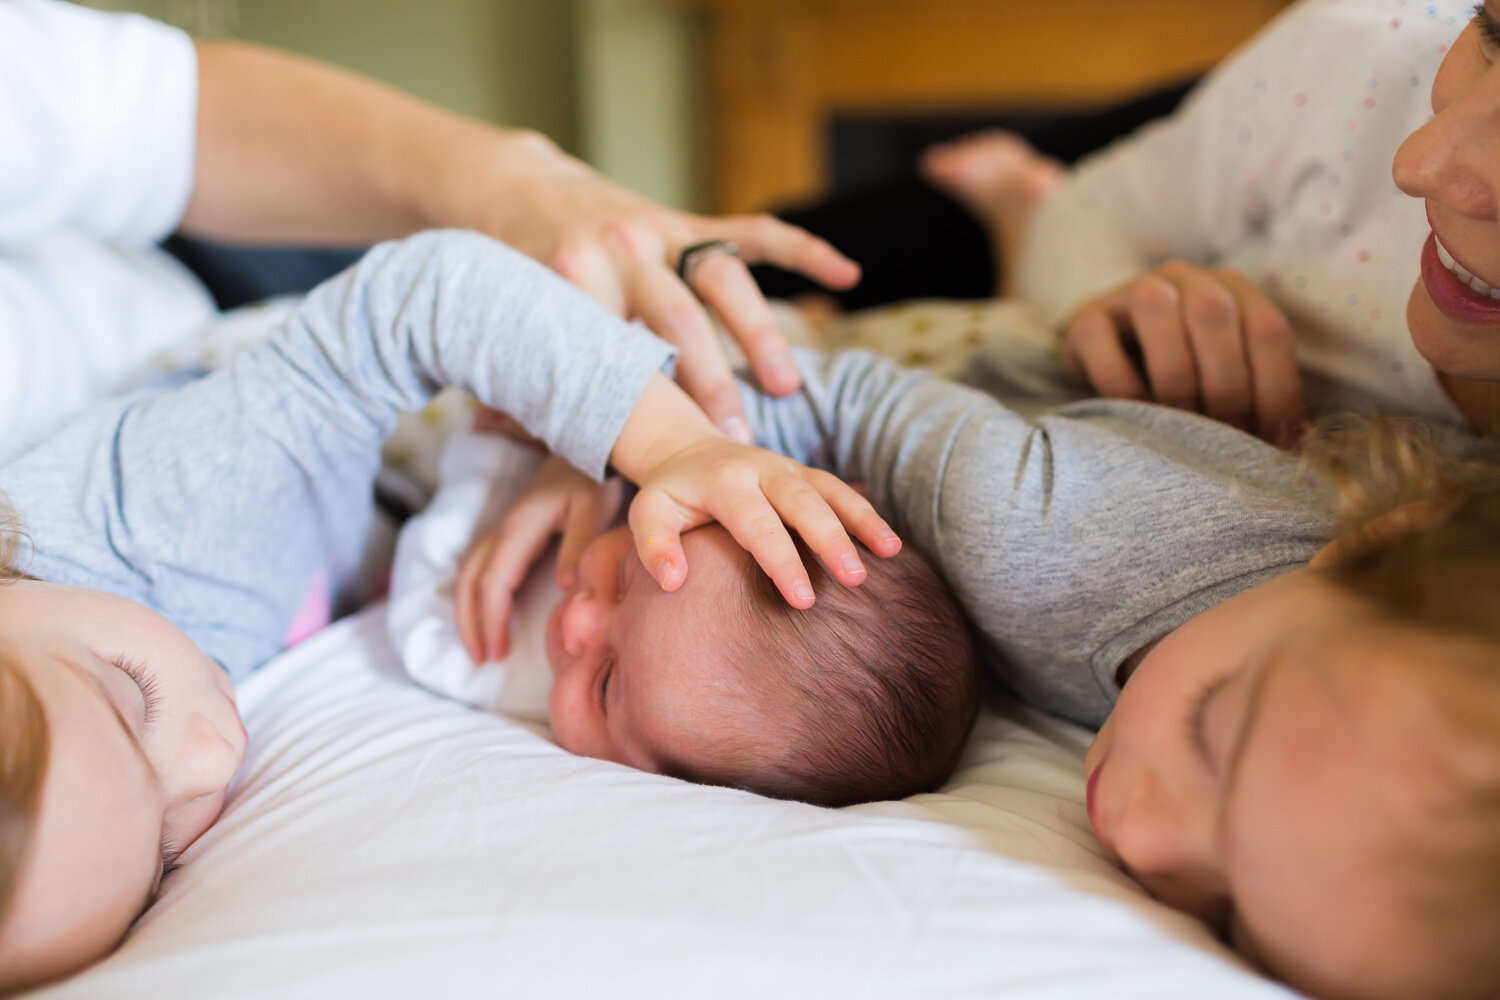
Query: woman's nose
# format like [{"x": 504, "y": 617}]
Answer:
[{"x": 1447, "y": 160}]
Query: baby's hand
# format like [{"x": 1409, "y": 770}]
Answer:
[
  {"x": 751, "y": 492},
  {"x": 560, "y": 500}
]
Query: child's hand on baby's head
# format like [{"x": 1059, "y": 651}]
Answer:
[
  {"x": 757, "y": 495},
  {"x": 560, "y": 500}
]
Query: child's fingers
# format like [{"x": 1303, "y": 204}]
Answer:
[
  {"x": 803, "y": 508},
  {"x": 465, "y": 615},
  {"x": 508, "y": 566},
  {"x": 856, "y": 513},
  {"x": 656, "y": 522},
  {"x": 760, "y": 530},
  {"x": 522, "y": 537}
]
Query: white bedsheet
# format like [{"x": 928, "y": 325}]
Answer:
[{"x": 384, "y": 842}]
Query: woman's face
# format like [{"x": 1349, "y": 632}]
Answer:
[
  {"x": 1453, "y": 164},
  {"x": 143, "y": 740}
]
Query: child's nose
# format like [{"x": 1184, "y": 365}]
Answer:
[
  {"x": 206, "y": 763},
  {"x": 1155, "y": 835}
]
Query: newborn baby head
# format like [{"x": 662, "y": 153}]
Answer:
[{"x": 868, "y": 695}]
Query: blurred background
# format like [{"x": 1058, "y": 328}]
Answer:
[{"x": 733, "y": 105}]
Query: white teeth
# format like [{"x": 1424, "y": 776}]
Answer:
[
  {"x": 1443, "y": 254},
  {"x": 1479, "y": 287}
]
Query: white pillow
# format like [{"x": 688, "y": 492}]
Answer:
[{"x": 384, "y": 842}]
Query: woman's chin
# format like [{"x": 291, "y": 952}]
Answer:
[{"x": 1448, "y": 345}]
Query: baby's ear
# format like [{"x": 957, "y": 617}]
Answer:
[{"x": 1381, "y": 532}]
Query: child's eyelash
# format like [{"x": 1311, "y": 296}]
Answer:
[
  {"x": 169, "y": 862},
  {"x": 144, "y": 681},
  {"x": 1196, "y": 721},
  {"x": 1487, "y": 25}
]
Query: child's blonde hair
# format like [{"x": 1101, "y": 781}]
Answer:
[
  {"x": 23, "y": 739},
  {"x": 1436, "y": 570}
]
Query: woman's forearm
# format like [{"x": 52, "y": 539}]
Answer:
[{"x": 290, "y": 150}]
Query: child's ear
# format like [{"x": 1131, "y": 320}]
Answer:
[{"x": 1380, "y": 533}]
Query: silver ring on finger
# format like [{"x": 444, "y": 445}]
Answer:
[{"x": 692, "y": 256}]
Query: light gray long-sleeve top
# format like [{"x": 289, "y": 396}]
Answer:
[
  {"x": 1073, "y": 532},
  {"x": 218, "y": 501}
]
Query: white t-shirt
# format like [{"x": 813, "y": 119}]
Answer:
[
  {"x": 1278, "y": 166},
  {"x": 99, "y": 115}
]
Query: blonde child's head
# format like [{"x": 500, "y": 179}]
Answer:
[
  {"x": 23, "y": 740},
  {"x": 118, "y": 740},
  {"x": 1314, "y": 766}
]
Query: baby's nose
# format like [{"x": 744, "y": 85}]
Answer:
[{"x": 580, "y": 621}]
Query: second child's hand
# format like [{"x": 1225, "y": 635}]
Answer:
[{"x": 690, "y": 474}]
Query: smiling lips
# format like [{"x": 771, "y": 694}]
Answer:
[{"x": 1456, "y": 292}]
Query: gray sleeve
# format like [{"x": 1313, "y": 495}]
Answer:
[
  {"x": 216, "y": 502},
  {"x": 1072, "y": 537}
]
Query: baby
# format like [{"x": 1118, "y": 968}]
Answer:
[{"x": 868, "y": 695}]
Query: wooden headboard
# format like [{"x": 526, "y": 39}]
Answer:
[{"x": 777, "y": 70}]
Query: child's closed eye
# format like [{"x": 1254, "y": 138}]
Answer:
[{"x": 144, "y": 680}]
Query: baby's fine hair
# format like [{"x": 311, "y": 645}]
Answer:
[
  {"x": 871, "y": 693},
  {"x": 1438, "y": 573}
]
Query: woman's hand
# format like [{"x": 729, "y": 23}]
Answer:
[
  {"x": 291, "y": 151},
  {"x": 756, "y": 495},
  {"x": 623, "y": 249},
  {"x": 1209, "y": 341},
  {"x": 560, "y": 500}
]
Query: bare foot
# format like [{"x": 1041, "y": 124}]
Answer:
[{"x": 1001, "y": 179}]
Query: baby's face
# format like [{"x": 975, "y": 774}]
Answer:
[
  {"x": 643, "y": 677},
  {"x": 1253, "y": 771},
  {"x": 144, "y": 739}
]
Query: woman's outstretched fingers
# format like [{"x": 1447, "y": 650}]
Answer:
[
  {"x": 666, "y": 305},
  {"x": 764, "y": 239},
  {"x": 724, "y": 282}
]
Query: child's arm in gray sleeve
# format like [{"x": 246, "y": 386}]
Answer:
[
  {"x": 216, "y": 502},
  {"x": 1072, "y": 539}
]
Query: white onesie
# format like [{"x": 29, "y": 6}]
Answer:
[{"x": 482, "y": 476}]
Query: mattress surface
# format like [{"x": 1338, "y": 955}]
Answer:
[{"x": 383, "y": 842}]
